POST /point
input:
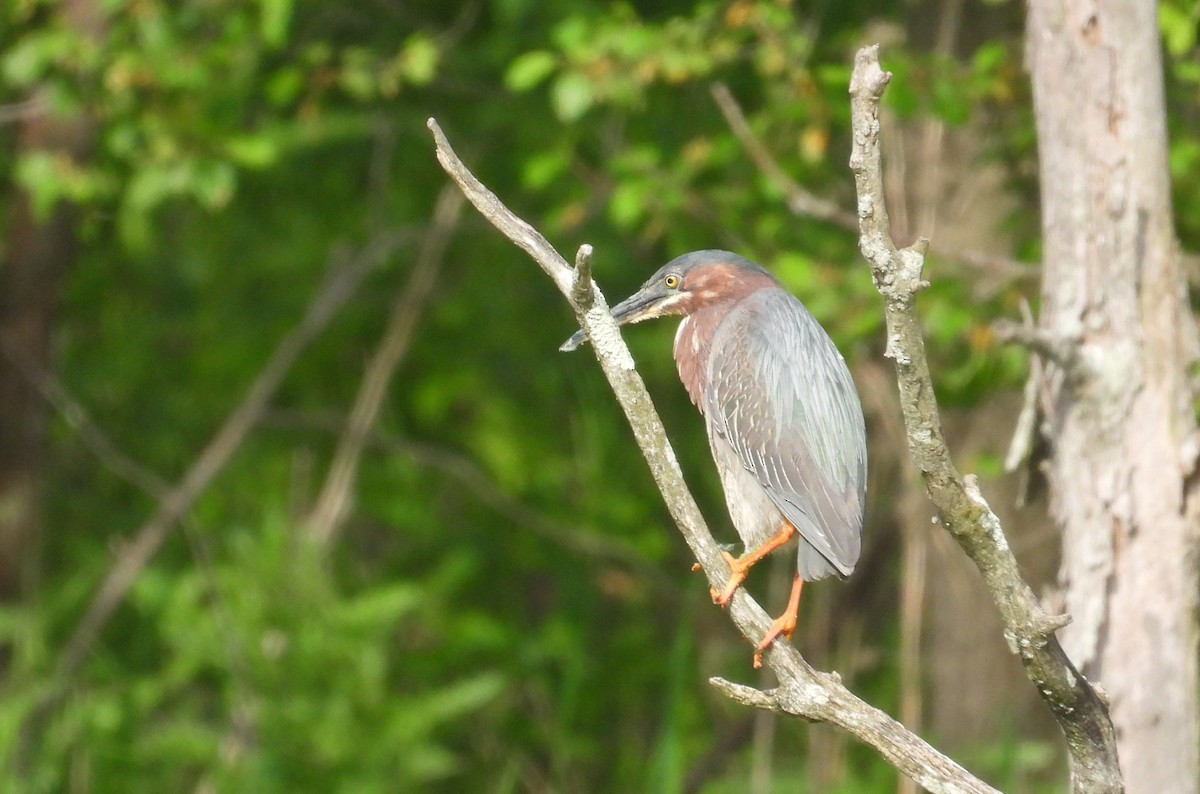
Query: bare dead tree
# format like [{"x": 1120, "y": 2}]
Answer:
[{"x": 1117, "y": 341}]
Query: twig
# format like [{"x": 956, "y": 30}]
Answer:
[
  {"x": 1025, "y": 430},
  {"x": 20, "y": 111},
  {"x": 803, "y": 691},
  {"x": 1060, "y": 351},
  {"x": 803, "y": 203},
  {"x": 961, "y": 508},
  {"x": 478, "y": 483},
  {"x": 77, "y": 418},
  {"x": 339, "y": 284},
  {"x": 333, "y": 504},
  {"x": 799, "y": 200}
]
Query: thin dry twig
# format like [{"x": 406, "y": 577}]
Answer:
[
  {"x": 333, "y": 504},
  {"x": 20, "y": 111},
  {"x": 803, "y": 691},
  {"x": 804, "y": 203},
  {"x": 799, "y": 200},
  {"x": 962, "y": 510},
  {"x": 78, "y": 419},
  {"x": 340, "y": 283},
  {"x": 112, "y": 457},
  {"x": 473, "y": 480}
]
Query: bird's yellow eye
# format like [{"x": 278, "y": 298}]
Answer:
[{"x": 672, "y": 281}]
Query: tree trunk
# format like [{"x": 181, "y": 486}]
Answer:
[
  {"x": 1117, "y": 400},
  {"x": 36, "y": 254}
]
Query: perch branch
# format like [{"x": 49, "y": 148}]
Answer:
[
  {"x": 961, "y": 508},
  {"x": 803, "y": 691}
]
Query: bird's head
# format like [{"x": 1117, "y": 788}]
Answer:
[{"x": 687, "y": 284}]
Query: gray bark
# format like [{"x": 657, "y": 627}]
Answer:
[{"x": 1116, "y": 397}]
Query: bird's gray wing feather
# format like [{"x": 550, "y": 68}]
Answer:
[{"x": 780, "y": 393}]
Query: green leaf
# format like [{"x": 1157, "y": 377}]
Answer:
[
  {"x": 378, "y": 608},
  {"x": 36, "y": 173},
  {"x": 252, "y": 151},
  {"x": 1178, "y": 28},
  {"x": 530, "y": 69},
  {"x": 542, "y": 168},
  {"x": 420, "y": 59},
  {"x": 627, "y": 204},
  {"x": 49, "y": 178},
  {"x": 275, "y": 17},
  {"x": 452, "y": 701},
  {"x": 989, "y": 57},
  {"x": 572, "y": 96},
  {"x": 213, "y": 182}
]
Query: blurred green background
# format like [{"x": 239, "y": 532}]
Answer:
[{"x": 502, "y": 604}]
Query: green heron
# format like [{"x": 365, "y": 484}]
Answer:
[{"x": 784, "y": 420}]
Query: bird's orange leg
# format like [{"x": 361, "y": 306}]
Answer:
[
  {"x": 785, "y": 624},
  {"x": 741, "y": 565}
]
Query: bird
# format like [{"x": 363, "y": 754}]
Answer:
[{"x": 784, "y": 419}]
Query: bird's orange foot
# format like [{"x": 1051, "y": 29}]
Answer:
[
  {"x": 783, "y": 625},
  {"x": 740, "y": 567}
]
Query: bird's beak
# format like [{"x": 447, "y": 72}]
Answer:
[{"x": 641, "y": 305}]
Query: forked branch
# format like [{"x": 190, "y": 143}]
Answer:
[
  {"x": 802, "y": 692},
  {"x": 962, "y": 510}
]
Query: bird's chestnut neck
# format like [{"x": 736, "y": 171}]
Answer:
[{"x": 721, "y": 284}]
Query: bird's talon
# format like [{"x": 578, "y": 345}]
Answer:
[
  {"x": 696, "y": 566},
  {"x": 723, "y": 598},
  {"x": 783, "y": 626}
]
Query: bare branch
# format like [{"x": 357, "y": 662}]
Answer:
[
  {"x": 1043, "y": 342},
  {"x": 581, "y": 295},
  {"x": 746, "y": 695},
  {"x": 78, "y": 419},
  {"x": 334, "y": 502},
  {"x": 803, "y": 691},
  {"x": 339, "y": 284},
  {"x": 477, "y": 482},
  {"x": 1020, "y": 449},
  {"x": 21, "y": 111},
  {"x": 961, "y": 508},
  {"x": 804, "y": 203},
  {"x": 799, "y": 200}
]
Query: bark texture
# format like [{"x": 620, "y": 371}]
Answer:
[{"x": 1116, "y": 397}]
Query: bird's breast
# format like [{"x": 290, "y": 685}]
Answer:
[{"x": 692, "y": 345}]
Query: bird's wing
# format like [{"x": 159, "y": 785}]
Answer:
[{"x": 780, "y": 393}]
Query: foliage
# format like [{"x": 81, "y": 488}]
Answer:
[{"x": 507, "y": 609}]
